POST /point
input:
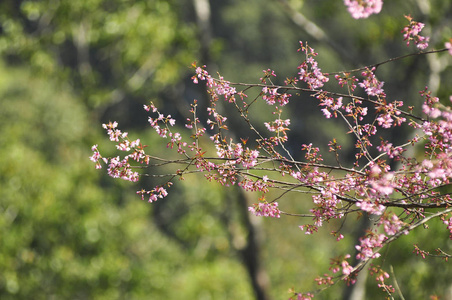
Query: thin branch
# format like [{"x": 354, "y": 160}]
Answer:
[{"x": 388, "y": 61}]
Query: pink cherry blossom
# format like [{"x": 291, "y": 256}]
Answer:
[
  {"x": 411, "y": 33},
  {"x": 309, "y": 71},
  {"x": 265, "y": 209},
  {"x": 383, "y": 179},
  {"x": 448, "y": 46},
  {"x": 363, "y": 8}
]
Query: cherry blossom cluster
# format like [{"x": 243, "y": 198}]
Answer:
[
  {"x": 448, "y": 46},
  {"x": 156, "y": 193},
  {"x": 309, "y": 71},
  {"x": 162, "y": 131},
  {"x": 373, "y": 185},
  {"x": 121, "y": 167},
  {"x": 363, "y": 8},
  {"x": 380, "y": 277},
  {"x": 371, "y": 84},
  {"x": 280, "y": 127},
  {"x": 368, "y": 244},
  {"x": 347, "y": 80},
  {"x": 117, "y": 167},
  {"x": 411, "y": 33},
  {"x": 271, "y": 96},
  {"x": 303, "y": 296},
  {"x": 331, "y": 104},
  {"x": 341, "y": 264},
  {"x": 96, "y": 157},
  {"x": 381, "y": 178},
  {"x": 237, "y": 155},
  {"x": 265, "y": 209}
]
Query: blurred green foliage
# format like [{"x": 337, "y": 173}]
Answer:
[
  {"x": 69, "y": 232},
  {"x": 104, "y": 48},
  {"x": 64, "y": 235}
]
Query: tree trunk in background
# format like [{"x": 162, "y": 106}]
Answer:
[
  {"x": 357, "y": 291},
  {"x": 250, "y": 251}
]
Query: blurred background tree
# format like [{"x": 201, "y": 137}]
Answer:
[{"x": 69, "y": 232}]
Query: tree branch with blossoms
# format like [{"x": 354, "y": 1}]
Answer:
[{"x": 370, "y": 185}]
